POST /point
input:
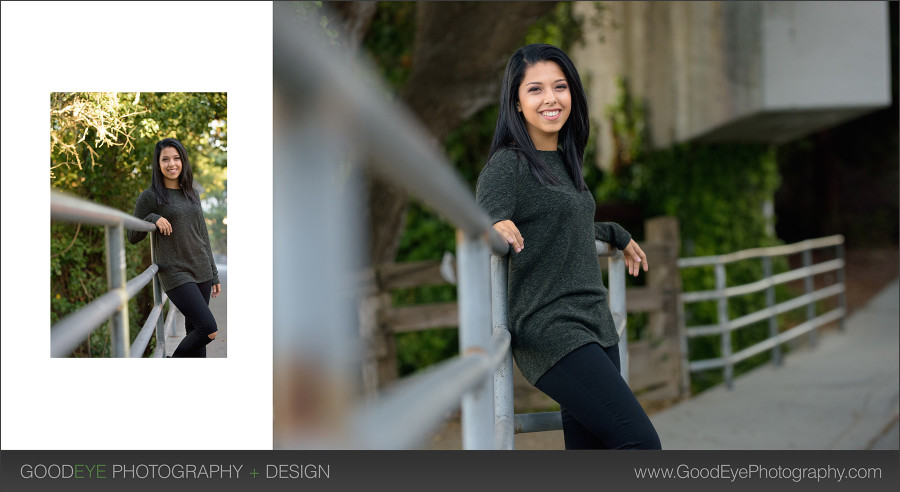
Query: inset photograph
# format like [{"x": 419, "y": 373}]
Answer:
[
  {"x": 585, "y": 225},
  {"x": 138, "y": 253}
]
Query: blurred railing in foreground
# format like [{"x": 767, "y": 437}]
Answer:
[
  {"x": 722, "y": 293},
  {"x": 328, "y": 118},
  {"x": 71, "y": 331}
]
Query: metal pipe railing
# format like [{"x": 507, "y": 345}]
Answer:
[
  {"x": 473, "y": 271},
  {"x": 504, "y": 408},
  {"x": 71, "y": 331},
  {"x": 68, "y": 208},
  {"x": 159, "y": 300},
  {"x": 402, "y": 151},
  {"x": 403, "y": 416},
  {"x": 725, "y": 326},
  {"x": 538, "y": 422},
  {"x": 143, "y": 339},
  {"x": 168, "y": 327}
]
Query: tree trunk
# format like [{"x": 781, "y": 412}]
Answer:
[{"x": 355, "y": 20}]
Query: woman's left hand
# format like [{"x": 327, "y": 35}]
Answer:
[
  {"x": 634, "y": 257},
  {"x": 216, "y": 290}
]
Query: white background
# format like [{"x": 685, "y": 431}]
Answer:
[{"x": 148, "y": 403}]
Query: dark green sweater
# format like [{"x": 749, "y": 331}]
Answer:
[
  {"x": 557, "y": 301},
  {"x": 185, "y": 255}
]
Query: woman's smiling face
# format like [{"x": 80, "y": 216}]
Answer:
[
  {"x": 170, "y": 165},
  {"x": 545, "y": 102}
]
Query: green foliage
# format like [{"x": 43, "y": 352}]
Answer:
[
  {"x": 561, "y": 28},
  {"x": 421, "y": 349},
  {"x": 716, "y": 191},
  {"x": 627, "y": 119},
  {"x": 390, "y": 39},
  {"x": 101, "y": 150}
]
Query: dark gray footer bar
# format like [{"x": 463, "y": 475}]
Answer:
[{"x": 397, "y": 471}]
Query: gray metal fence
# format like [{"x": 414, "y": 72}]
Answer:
[
  {"x": 72, "y": 330},
  {"x": 725, "y": 326},
  {"x": 317, "y": 233}
]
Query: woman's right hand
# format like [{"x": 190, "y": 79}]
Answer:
[
  {"x": 510, "y": 232},
  {"x": 163, "y": 226}
]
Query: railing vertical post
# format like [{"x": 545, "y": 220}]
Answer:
[
  {"x": 504, "y": 408},
  {"x": 157, "y": 299},
  {"x": 808, "y": 289},
  {"x": 842, "y": 298},
  {"x": 116, "y": 278},
  {"x": 723, "y": 323},
  {"x": 770, "y": 303},
  {"x": 684, "y": 346},
  {"x": 474, "y": 335},
  {"x": 617, "y": 305},
  {"x": 317, "y": 236}
]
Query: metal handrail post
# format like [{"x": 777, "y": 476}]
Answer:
[
  {"x": 474, "y": 336},
  {"x": 116, "y": 278},
  {"x": 684, "y": 346},
  {"x": 617, "y": 306},
  {"x": 157, "y": 298},
  {"x": 770, "y": 303},
  {"x": 842, "y": 298},
  {"x": 808, "y": 289},
  {"x": 722, "y": 300},
  {"x": 504, "y": 408}
]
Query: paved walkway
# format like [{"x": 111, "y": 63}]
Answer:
[
  {"x": 842, "y": 394},
  {"x": 218, "y": 347}
]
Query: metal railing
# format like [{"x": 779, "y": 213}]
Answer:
[
  {"x": 722, "y": 293},
  {"x": 71, "y": 331},
  {"x": 316, "y": 245}
]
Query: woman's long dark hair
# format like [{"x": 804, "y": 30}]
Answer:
[
  {"x": 511, "y": 132},
  {"x": 185, "y": 179}
]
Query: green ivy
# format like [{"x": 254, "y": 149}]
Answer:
[{"x": 389, "y": 40}]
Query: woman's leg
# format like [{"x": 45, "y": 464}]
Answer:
[
  {"x": 191, "y": 301},
  {"x": 576, "y": 435},
  {"x": 206, "y": 290},
  {"x": 600, "y": 411},
  {"x": 188, "y": 328}
]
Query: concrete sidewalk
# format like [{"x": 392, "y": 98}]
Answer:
[
  {"x": 218, "y": 348},
  {"x": 842, "y": 394}
]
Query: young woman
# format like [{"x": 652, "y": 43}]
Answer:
[
  {"x": 187, "y": 269},
  {"x": 563, "y": 336}
]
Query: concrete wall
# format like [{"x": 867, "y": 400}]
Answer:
[{"x": 736, "y": 71}]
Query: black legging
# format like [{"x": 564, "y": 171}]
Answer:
[
  {"x": 193, "y": 301},
  {"x": 599, "y": 411}
]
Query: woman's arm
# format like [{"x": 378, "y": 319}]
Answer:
[
  {"x": 615, "y": 234},
  {"x": 144, "y": 209},
  {"x": 495, "y": 193},
  {"x": 610, "y": 232}
]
